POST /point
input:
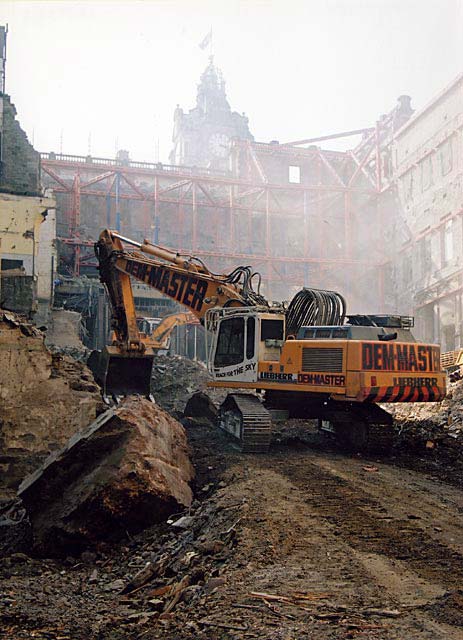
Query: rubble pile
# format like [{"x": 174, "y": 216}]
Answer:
[
  {"x": 126, "y": 471},
  {"x": 201, "y": 406},
  {"x": 160, "y": 580},
  {"x": 164, "y": 576},
  {"x": 63, "y": 335},
  {"x": 435, "y": 426},
  {"x": 44, "y": 399},
  {"x": 176, "y": 378}
]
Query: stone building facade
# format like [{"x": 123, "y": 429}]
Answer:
[
  {"x": 202, "y": 136},
  {"x": 427, "y": 250},
  {"x": 28, "y": 256}
]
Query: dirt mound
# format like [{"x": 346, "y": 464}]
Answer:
[
  {"x": 126, "y": 471},
  {"x": 44, "y": 399}
]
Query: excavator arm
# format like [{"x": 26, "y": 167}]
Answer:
[{"x": 125, "y": 366}]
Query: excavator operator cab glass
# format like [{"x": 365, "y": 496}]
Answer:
[
  {"x": 230, "y": 343},
  {"x": 250, "y": 338},
  {"x": 236, "y": 341},
  {"x": 271, "y": 330}
]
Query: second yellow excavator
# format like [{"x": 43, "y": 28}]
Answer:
[
  {"x": 302, "y": 357},
  {"x": 156, "y": 332}
]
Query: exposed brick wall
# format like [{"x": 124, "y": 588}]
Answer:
[{"x": 20, "y": 169}]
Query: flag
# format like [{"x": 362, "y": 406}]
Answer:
[{"x": 206, "y": 40}]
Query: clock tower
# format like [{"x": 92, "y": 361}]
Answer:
[{"x": 202, "y": 136}]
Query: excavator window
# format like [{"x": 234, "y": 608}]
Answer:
[
  {"x": 271, "y": 330},
  {"x": 230, "y": 344},
  {"x": 250, "y": 338}
]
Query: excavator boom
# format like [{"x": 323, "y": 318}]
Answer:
[{"x": 125, "y": 366}]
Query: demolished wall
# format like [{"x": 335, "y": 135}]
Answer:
[
  {"x": 27, "y": 238},
  {"x": 16, "y": 291},
  {"x": 20, "y": 168}
]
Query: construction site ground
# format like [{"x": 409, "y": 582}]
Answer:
[{"x": 303, "y": 542}]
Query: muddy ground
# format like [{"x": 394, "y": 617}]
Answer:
[{"x": 339, "y": 546}]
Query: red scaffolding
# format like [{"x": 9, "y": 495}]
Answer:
[{"x": 254, "y": 213}]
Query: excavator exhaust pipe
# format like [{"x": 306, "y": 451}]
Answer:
[{"x": 122, "y": 375}]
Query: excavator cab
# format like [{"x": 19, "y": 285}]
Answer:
[{"x": 121, "y": 374}]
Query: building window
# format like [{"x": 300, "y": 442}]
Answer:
[
  {"x": 447, "y": 243},
  {"x": 407, "y": 270},
  {"x": 294, "y": 174},
  {"x": 446, "y": 159},
  {"x": 424, "y": 256},
  {"x": 9, "y": 265},
  {"x": 426, "y": 173},
  {"x": 408, "y": 185}
]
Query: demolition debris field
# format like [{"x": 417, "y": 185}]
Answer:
[
  {"x": 305, "y": 541},
  {"x": 299, "y": 543}
]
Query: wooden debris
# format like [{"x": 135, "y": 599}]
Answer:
[
  {"x": 364, "y": 627},
  {"x": 177, "y": 591},
  {"x": 160, "y": 591},
  {"x": 383, "y": 613},
  {"x": 161, "y": 562},
  {"x": 299, "y": 595},
  {"x": 274, "y": 609},
  {"x": 297, "y": 598},
  {"x": 327, "y": 616},
  {"x": 269, "y": 596},
  {"x": 223, "y": 625}
]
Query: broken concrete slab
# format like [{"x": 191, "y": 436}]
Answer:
[
  {"x": 128, "y": 470},
  {"x": 175, "y": 378}
]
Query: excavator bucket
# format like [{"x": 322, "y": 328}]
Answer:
[{"x": 120, "y": 374}]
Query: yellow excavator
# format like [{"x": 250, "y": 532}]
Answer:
[
  {"x": 302, "y": 357},
  {"x": 156, "y": 332}
]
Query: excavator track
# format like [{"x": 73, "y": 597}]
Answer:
[
  {"x": 356, "y": 426},
  {"x": 244, "y": 417},
  {"x": 362, "y": 427}
]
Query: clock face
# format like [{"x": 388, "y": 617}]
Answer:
[{"x": 219, "y": 145}]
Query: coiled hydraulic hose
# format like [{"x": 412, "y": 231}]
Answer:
[{"x": 311, "y": 307}]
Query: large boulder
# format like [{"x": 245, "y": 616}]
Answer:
[
  {"x": 201, "y": 406},
  {"x": 129, "y": 469}
]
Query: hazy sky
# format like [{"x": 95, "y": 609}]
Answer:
[{"x": 107, "y": 73}]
